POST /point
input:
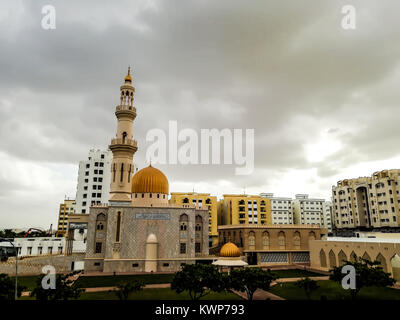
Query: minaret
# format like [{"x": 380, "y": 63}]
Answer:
[{"x": 123, "y": 146}]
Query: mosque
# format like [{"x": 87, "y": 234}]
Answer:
[{"x": 138, "y": 230}]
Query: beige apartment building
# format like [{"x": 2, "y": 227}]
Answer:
[
  {"x": 201, "y": 201},
  {"x": 368, "y": 203},
  {"x": 245, "y": 209}
]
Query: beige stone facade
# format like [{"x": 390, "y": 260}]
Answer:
[
  {"x": 368, "y": 202},
  {"x": 201, "y": 200},
  {"x": 117, "y": 239},
  {"x": 272, "y": 244},
  {"x": 324, "y": 254}
]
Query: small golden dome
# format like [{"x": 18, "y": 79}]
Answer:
[
  {"x": 229, "y": 250},
  {"x": 150, "y": 180},
  {"x": 128, "y": 77}
]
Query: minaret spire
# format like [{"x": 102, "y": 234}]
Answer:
[{"x": 123, "y": 146}]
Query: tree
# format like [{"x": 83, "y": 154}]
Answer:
[
  {"x": 126, "y": 288},
  {"x": 7, "y": 233},
  {"x": 7, "y": 288},
  {"x": 368, "y": 274},
  {"x": 199, "y": 280},
  {"x": 64, "y": 288},
  {"x": 251, "y": 279},
  {"x": 308, "y": 285}
]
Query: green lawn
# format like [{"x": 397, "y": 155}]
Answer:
[
  {"x": 296, "y": 273},
  {"x": 333, "y": 291},
  {"x": 111, "y": 281},
  {"x": 27, "y": 281}
]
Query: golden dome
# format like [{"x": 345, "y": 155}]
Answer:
[
  {"x": 150, "y": 180},
  {"x": 229, "y": 250},
  {"x": 128, "y": 76}
]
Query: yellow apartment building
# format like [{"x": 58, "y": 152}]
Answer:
[
  {"x": 201, "y": 200},
  {"x": 245, "y": 209},
  {"x": 66, "y": 208}
]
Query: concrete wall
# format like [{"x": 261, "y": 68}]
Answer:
[{"x": 34, "y": 265}]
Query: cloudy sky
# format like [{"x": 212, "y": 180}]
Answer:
[{"x": 323, "y": 101}]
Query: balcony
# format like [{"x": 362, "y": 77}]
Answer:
[
  {"x": 117, "y": 143},
  {"x": 125, "y": 110}
]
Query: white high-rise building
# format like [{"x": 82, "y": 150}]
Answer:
[
  {"x": 93, "y": 180},
  {"x": 281, "y": 209},
  {"x": 308, "y": 211}
]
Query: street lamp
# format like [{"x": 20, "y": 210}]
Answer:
[{"x": 16, "y": 264}]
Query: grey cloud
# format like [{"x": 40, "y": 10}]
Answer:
[{"x": 206, "y": 64}]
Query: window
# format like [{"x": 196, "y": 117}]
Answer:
[
  {"x": 117, "y": 236},
  {"x": 135, "y": 265},
  {"x": 165, "y": 265},
  {"x": 197, "y": 247},
  {"x": 183, "y": 248},
  {"x": 98, "y": 247}
]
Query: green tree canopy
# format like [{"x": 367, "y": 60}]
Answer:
[
  {"x": 368, "y": 274},
  {"x": 251, "y": 279},
  {"x": 308, "y": 285},
  {"x": 199, "y": 280},
  {"x": 64, "y": 288},
  {"x": 124, "y": 289},
  {"x": 7, "y": 288}
]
